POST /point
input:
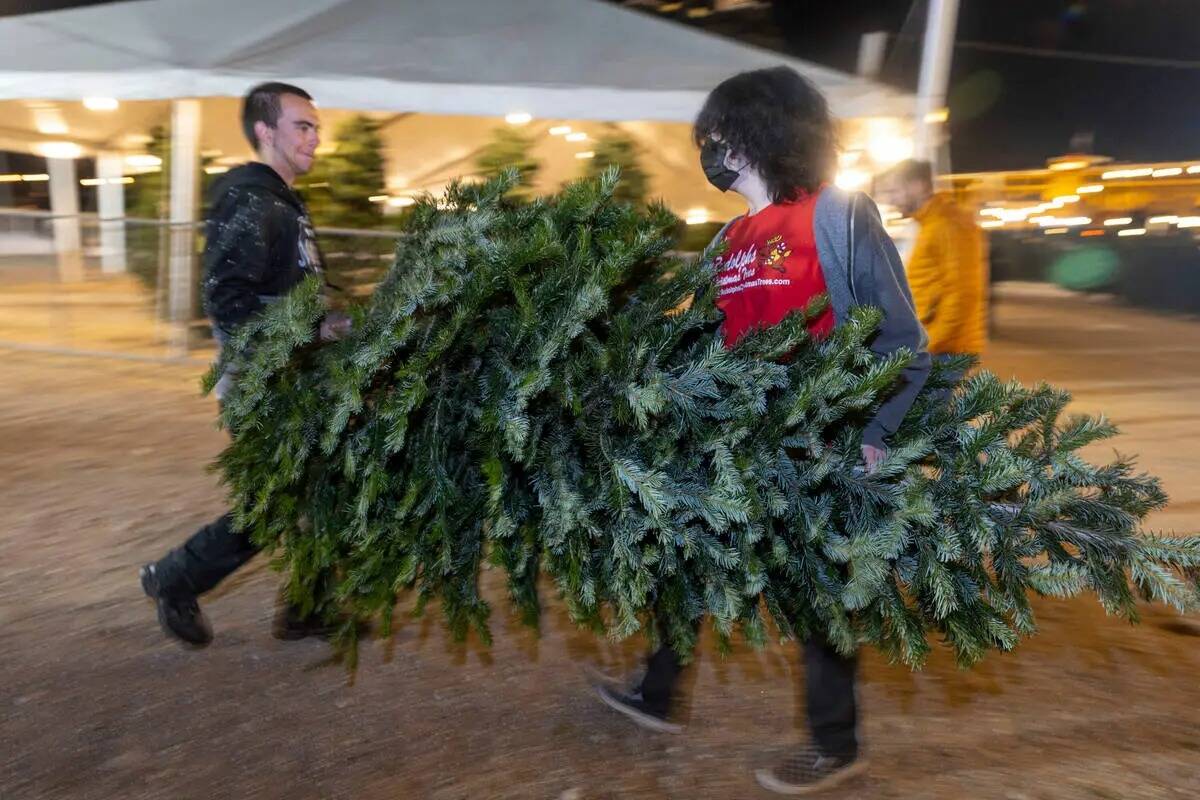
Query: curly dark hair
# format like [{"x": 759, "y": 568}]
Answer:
[{"x": 780, "y": 122}]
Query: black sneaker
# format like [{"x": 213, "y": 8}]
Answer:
[
  {"x": 809, "y": 772},
  {"x": 180, "y": 618},
  {"x": 290, "y": 626},
  {"x": 632, "y": 705}
]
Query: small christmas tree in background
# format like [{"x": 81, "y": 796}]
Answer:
[
  {"x": 616, "y": 149},
  {"x": 510, "y": 149},
  {"x": 524, "y": 390}
]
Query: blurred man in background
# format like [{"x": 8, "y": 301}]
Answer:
[{"x": 947, "y": 268}]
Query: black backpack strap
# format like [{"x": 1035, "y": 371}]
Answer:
[
  {"x": 716, "y": 240},
  {"x": 850, "y": 246}
]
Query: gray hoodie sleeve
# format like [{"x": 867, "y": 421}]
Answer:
[{"x": 878, "y": 281}]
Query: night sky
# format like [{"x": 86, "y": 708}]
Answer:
[
  {"x": 1007, "y": 111},
  {"x": 1012, "y": 111}
]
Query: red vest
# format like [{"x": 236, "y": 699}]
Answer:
[{"x": 770, "y": 269}]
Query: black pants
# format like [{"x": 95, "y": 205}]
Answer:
[
  {"x": 204, "y": 560},
  {"x": 830, "y": 701}
]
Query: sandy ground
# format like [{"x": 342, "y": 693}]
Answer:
[{"x": 102, "y": 466}]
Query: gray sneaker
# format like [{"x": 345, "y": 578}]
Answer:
[
  {"x": 632, "y": 705},
  {"x": 809, "y": 772}
]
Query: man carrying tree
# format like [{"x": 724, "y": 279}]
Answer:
[
  {"x": 259, "y": 245},
  {"x": 768, "y": 136}
]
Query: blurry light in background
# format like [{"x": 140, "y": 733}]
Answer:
[
  {"x": 1192, "y": 170},
  {"x": 1132, "y": 232},
  {"x": 560, "y": 130},
  {"x": 143, "y": 160},
  {"x": 217, "y": 170},
  {"x": 49, "y": 121},
  {"x": 37, "y": 177},
  {"x": 518, "y": 118},
  {"x": 1165, "y": 219},
  {"x": 1168, "y": 172},
  {"x": 1063, "y": 166},
  {"x": 586, "y": 154},
  {"x": 102, "y": 181},
  {"x": 1055, "y": 231},
  {"x": 1118, "y": 221},
  {"x": 991, "y": 223},
  {"x": 100, "y": 103},
  {"x": 10, "y": 178},
  {"x": 326, "y": 149},
  {"x": 1067, "y": 221},
  {"x": 1143, "y": 172},
  {"x": 578, "y": 136},
  {"x": 60, "y": 150},
  {"x": 848, "y": 158},
  {"x": 852, "y": 179},
  {"x": 941, "y": 115},
  {"x": 1188, "y": 222},
  {"x": 1091, "y": 188},
  {"x": 696, "y": 216},
  {"x": 1064, "y": 199},
  {"x": 1086, "y": 234},
  {"x": 377, "y": 198},
  {"x": 400, "y": 202},
  {"x": 890, "y": 149}
]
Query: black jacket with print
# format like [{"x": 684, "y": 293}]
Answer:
[{"x": 259, "y": 244}]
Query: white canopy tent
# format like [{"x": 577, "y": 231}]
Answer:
[
  {"x": 445, "y": 63},
  {"x": 577, "y": 59}
]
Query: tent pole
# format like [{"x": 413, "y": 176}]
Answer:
[
  {"x": 184, "y": 177},
  {"x": 936, "y": 54}
]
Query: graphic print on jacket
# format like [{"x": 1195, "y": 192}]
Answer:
[{"x": 259, "y": 244}]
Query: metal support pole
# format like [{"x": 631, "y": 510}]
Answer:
[
  {"x": 185, "y": 166},
  {"x": 936, "y": 55}
]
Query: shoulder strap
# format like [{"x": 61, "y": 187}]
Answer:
[
  {"x": 720, "y": 234},
  {"x": 850, "y": 246}
]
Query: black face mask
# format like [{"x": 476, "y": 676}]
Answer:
[{"x": 712, "y": 159}]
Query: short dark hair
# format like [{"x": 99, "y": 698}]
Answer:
[
  {"x": 912, "y": 170},
  {"x": 261, "y": 104},
  {"x": 780, "y": 122}
]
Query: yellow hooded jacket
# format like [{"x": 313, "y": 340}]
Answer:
[{"x": 947, "y": 272}]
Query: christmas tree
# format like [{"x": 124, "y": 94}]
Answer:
[
  {"x": 542, "y": 387},
  {"x": 509, "y": 149},
  {"x": 617, "y": 149}
]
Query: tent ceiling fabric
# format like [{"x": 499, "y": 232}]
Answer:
[{"x": 578, "y": 59}]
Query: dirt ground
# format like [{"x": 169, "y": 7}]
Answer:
[{"x": 102, "y": 469}]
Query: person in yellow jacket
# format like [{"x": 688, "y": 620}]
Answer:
[{"x": 947, "y": 268}]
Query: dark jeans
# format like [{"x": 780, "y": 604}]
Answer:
[
  {"x": 829, "y": 694},
  {"x": 204, "y": 560}
]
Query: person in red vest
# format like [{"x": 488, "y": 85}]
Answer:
[{"x": 768, "y": 136}]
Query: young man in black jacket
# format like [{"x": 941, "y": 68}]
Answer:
[{"x": 259, "y": 245}]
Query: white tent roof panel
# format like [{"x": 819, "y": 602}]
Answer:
[{"x": 579, "y": 59}]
